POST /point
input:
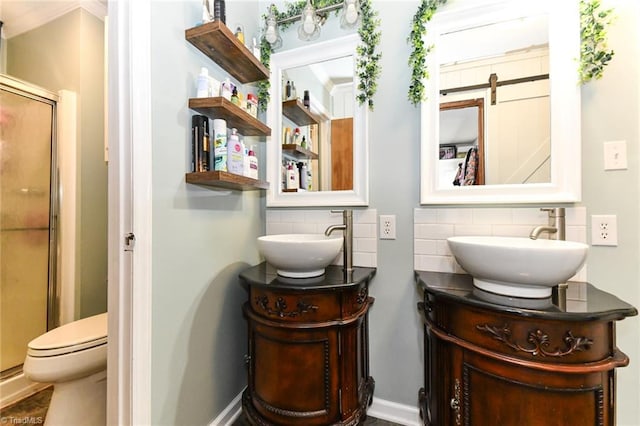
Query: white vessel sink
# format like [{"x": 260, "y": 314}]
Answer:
[
  {"x": 518, "y": 267},
  {"x": 299, "y": 255}
]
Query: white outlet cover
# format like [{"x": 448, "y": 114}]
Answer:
[
  {"x": 604, "y": 230},
  {"x": 387, "y": 227}
]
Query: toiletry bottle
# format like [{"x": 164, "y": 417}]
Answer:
[
  {"x": 287, "y": 92},
  {"x": 287, "y": 136},
  {"x": 296, "y": 136},
  {"x": 294, "y": 95},
  {"x": 303, "y": 144},
  {"x": 234, "y": 153},
  {"x": 253, "y": 164},
  {"x": 206, "y": 12},
  {"x": 220, "y": 144},
  {"x": 239, "y": 33},
  {"x": 303, "y": 176},
  {"x": 219, "y": 12},
  {"x": 255, "y": 48},
  {"x": 226, "y": 90},
  {"x": 245, "y": 159},
  {"x": 306, "y": 101},
  {"x": 202, "y": 83},
  {"x": 234, "y": 97},
  {"x": 200, "y": 143},
  {"x": 291, "y": 177}
]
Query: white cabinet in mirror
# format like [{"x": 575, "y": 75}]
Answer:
[
  {"x": 319, "y": 130},
  {"x": 501, "y": 123}
]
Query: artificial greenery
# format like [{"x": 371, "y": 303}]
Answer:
[
  {"x": 418, "y": 56},
  {"x": 367, "y": 65},
  {"x": 594, "y": 55}
]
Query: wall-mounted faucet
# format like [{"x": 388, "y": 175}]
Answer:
[
  {"x": 347, "y": 246},
  {"x": 555, "y": 227}
]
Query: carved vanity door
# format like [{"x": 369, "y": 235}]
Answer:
[{"x": 499, "y": 393}]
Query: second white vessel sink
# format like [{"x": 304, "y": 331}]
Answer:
[
  {"x": 518, "y": 267},
  {"x": 300, "y": 255}
]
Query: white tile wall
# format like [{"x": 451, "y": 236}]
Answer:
[
  {"x": 365, "y": 242},
  {"x": 432, "y": 226}
]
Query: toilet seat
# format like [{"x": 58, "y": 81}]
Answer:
[{"x": 73, "y": 337}]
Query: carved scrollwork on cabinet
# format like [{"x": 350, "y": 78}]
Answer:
[
  {"x": 538, "y": 340},
  {"x": 455, "y": 402},
  {"x": 280, "y": 307}
]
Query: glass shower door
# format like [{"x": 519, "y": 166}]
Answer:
[{"x": 27, "y": 246}]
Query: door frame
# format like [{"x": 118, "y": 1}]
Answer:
[{"x": 130, "y": 211}]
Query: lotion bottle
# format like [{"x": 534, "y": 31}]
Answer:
[{"x": 234, "y": 153}]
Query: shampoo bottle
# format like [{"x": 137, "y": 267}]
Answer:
[
  {"x": 220, "y": 144},
  {"x": 202, "y": 83},
  {"x": 234, "y": 153},
  {"x": 253, "y": 164}
]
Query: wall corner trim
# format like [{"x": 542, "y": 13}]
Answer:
[
  {"x": 394, "y": 412},
  {"x": 231, "y": 413}
]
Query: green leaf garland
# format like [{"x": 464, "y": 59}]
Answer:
[
  {"x": 367, "y": 62},
  {"x": 594, "y": 55},
  {"x": 418, "y": 57}
]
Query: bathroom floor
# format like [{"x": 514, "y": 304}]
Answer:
[{"x": 33, "y": 410}]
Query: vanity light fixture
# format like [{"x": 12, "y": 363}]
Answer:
[
  {"x": 350, "y": 16},
  {"x": 271, "y": 33},
  {"x": 311, "y": 19},
  {"x": 309, "y": 28}
]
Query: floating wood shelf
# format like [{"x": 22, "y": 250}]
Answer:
[
  {"x": 235, "y": 116},
  {"x": 216, "y": 40},
  {"x": 226, "y": 180},
  {"x": 295, "y": 111},
  {"x": 298, "y": 152}
]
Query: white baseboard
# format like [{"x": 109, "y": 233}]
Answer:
[
  {"x": 394, "y": 412},
  {"x": 231, "y": 413},
  {"x": 380, "y": 409},
  {"x": 16, "y": 388}
]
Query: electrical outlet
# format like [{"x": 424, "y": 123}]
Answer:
[
  {"x": 387, "y": 227},
  {"x": 604, "y": 230}
]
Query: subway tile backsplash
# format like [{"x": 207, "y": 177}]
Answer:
[
  {"x": 365, "y": 244},
  {"x": 432, "y": 227}
]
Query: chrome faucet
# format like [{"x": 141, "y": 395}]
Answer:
[
  {"x": 347, "y": 247},
  {"x": 556, "y": 230},
  {"x": 555, "y": 227}
]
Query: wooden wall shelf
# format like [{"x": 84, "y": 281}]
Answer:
[
  {"x": 235, "y": 116},
  {"x": 226, "y": 180},
  {"x": 217, "y": 42},
  {"x": 295, "y": 111},
  {"x": 298, "y": 152}
]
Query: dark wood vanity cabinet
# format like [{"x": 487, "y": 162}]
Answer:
[
  {"x": 308, "y": 348},
  {"x": 492, "y": 364}
]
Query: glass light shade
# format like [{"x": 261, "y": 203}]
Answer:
[
  {"x": 271, "y": 33},
  {"x": 309, "y": 28},
  {"x": 350, "y": 16}
]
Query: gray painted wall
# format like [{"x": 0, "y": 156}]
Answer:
[
  {"x": 68, "y": 53},
  {"x": 203, "y": 238}
]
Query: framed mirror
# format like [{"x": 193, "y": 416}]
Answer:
[
  {"x": 501, "y": 123},
  {"x": 317, "y": 154}
]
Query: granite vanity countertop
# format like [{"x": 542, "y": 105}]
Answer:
[
  {"x": 265, "y": 275},
  {"x": 592, "y": 303}
]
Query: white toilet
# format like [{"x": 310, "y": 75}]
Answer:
[{"x": 73, "y": 358}]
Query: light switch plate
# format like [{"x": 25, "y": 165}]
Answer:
[{"x": 615, "y": 155}]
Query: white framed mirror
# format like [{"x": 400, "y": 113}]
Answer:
[
  {"x": 525, "y": 146},
  {"x": 329, "y": 150}
]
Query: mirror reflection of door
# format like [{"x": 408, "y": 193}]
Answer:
[
  {"x": 342, "y": 154},
  {"x": 462, "y": 153}
]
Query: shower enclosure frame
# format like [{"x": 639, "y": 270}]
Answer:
[{"x": 14, "y": 384}]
